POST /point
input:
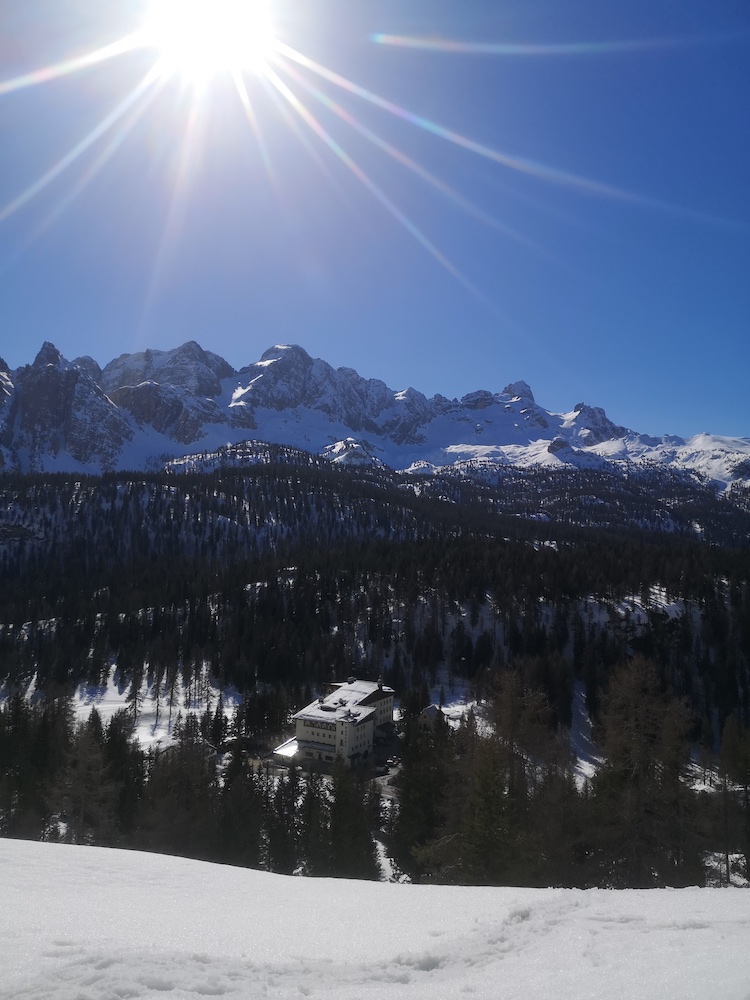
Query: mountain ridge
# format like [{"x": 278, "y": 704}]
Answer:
[{"x": 144, "y": 409}]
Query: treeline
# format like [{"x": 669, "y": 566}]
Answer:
[
  {"x": 498, "y": 804},
  {"x": 91, "y": 783}
]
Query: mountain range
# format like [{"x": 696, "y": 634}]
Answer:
[{"x": 150, "y": 409}]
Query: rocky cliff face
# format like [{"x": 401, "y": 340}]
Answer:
[
  {"x": 7, "y": 416},
  {"x": 188, "y": 367},
  {"x": 286, "y": 378},
  {"x": 142, "y": 409},
  {"x": 178, "y": 415},
  {"x": 60, "y": 413},
  {"x": 172, "y": 392},
  {"x": 591, "y": 425}
]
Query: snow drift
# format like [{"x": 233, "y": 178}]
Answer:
[{"x": 89, "y": 923}]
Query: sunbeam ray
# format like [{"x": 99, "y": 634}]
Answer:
[
  {"x": 292, "y": 123},
  {"x": 173, "y": 222},
  {"x": 255, "y": 127},
  {"x": 80, "y": 148},
  {"x": 384, "y": 200},
  {"x": 520, "y": 164},
  {"x": 68, "y": 66},
  {"x": 410, "y": 164},
  {"x": 101, "y": 160}
]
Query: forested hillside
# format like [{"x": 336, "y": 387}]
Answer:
[
  {"x": 292, "y": 571},
  {"x": 282, "y": 574}
]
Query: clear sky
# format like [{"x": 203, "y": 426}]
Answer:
[{"x": 448, "y": 194}]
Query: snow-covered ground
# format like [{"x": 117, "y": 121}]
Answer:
[
  {"x": 152, "y": 728},
  {"x": 90, "y": 924},
  {"x": 585, "y": 753}
]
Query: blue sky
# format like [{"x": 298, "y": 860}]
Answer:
[{"x": 585, "y": 225}]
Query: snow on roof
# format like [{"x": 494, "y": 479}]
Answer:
[
  {"x": 432, "y": 711},
  {"x": 359, "y": 690},
  {"x": 288, "y": 749},
  {"x": 346, "y": 703}
]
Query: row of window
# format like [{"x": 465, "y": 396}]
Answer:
[{"x": 312, "y": 724}]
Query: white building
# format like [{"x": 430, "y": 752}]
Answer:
[
  {"x": 345, "y": 723},
  {"x": 429, "y": 717}
]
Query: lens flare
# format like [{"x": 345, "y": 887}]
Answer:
[
  {"x": 455, "y": 47},
  {"x": 196, "y": 41}
]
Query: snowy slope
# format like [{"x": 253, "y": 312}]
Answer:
[
  {"x": 144, "y": 408},
  {"x": 90, "y": 924}
]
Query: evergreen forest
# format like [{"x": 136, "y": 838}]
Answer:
[{"x": 274, "y": 576}]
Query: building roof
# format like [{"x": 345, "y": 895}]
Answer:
[
  {"x": 287, "y": 749},
  {"x": 351, "y": 701}
]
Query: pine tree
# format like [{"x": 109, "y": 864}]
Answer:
[
  {"x": 316, "y": 847},
  {"x": 179, "y": 813},
  {"x": 734, "y": 762},
  {"x": 241, "y": 816},
  {"x": 282, "y": 824},
  {"x": 645, "y": 826},
  {"x": 86, "y": 797},
  {"x": 353, "y": 849}
]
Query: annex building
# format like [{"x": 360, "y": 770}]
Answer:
[{"x": 347, "y": 722}]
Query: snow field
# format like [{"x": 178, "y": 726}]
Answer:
[
  {"x": 150, "y": 729},
  {"x": 88, "y": 924}
]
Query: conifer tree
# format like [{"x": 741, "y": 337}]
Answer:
[
  {"x": 241, "y": 815},
  {"x": 86, "y": 796},
  {"x": 645, "y": 828},
  {"x": 734, "y": 762},
  {"x": 353, "y": 850},
  {"x": 180, "y": 804},
  {"x": 282, "y": 824},
  {"x": 316, "y": 846}
]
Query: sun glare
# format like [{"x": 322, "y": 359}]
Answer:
[{"x": 198, "y": 39}]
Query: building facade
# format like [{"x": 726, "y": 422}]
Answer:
[{"x": 347, "y": 722}]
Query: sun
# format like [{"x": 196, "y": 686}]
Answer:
[{"x": 199, "y": 39}]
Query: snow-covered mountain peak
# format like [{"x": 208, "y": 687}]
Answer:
[
  {"x": 187, "y": 367},
  {"x": 48, "y": 355},
  {"x": 58, "y": 418},
  {"x": 519, "y": 390},
  {"x": 591, "y": 425},
  {"x": 351, "y": 452},
  {"x": 88, "y": 365},
  {"x": 143, "y": 407},
  {"x": 291, "y": 353},
  {"x": 478, "y": 400}
]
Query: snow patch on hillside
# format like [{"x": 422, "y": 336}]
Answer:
[{"x": 156, "y": 711}]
